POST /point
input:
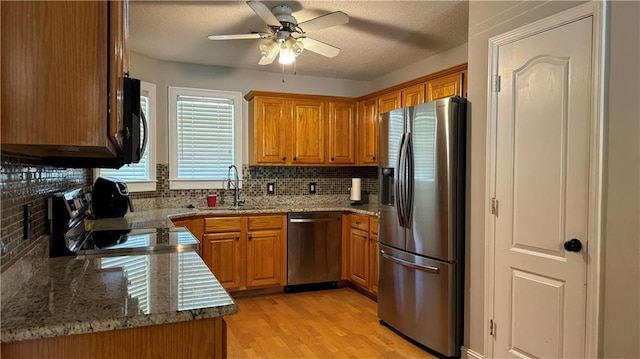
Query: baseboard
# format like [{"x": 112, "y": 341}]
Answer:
[{"x": 470, "y": 354}]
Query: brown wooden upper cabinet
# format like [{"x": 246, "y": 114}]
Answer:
[
  {"x": 309, "y": 128},
  {"x": 367, "y": 139},
  {"x": 413, "y": 95},
  {"x": 62, "y": 69},
  {"x": 389, "y": 102},
  {"x": 342, "y": 130},
  {"x": 443, "y": 87},
  {"x": 288, "y": 129}
]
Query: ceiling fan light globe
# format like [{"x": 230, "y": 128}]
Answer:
[
  {"x": 286, "y": 57},
  {"x": 269, "y": 49},
  {"x": 297, "y": 48}
]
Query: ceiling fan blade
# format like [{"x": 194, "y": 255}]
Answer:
[
  {"x": 239, "y": 36},
  {"x": 264, "y": 12},
  {"x": 320, "y": 47},
  {"x": 266, "y": 60},
  {"x": 324, "y": 21}
]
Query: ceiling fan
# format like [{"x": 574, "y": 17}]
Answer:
[{"x": 287, "y": 38}]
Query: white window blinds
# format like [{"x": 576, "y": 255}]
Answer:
[{"x": 205, "y": 137}]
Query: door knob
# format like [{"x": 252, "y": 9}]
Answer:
[{"x": 573, "y": 245}]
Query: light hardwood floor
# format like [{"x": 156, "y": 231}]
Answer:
[{"x": 337, "y": 323}]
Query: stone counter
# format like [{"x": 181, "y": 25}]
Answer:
[
  {"x": 75, "y": 296},
  {"x": 161, "y": 217}
]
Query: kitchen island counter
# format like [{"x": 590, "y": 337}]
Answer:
[{"x": 95, "y": 294}]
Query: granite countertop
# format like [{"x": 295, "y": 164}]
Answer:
[
  {"x": 161, "y": 217},
  {"x": 94, "y": 294},
  {"x": 75, "y": 295}
]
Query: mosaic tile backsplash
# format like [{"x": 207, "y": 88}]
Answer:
[
  {"x": 289, "y": 181},
  {"x": 27, "y": 181}
]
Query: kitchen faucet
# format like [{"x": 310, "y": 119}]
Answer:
[{"x": 236, "y": 201}]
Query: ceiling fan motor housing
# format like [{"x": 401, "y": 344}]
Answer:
[{"x": 283, "y": 14}]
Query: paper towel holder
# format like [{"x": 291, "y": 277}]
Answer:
[{"x": 364, "y": 198}]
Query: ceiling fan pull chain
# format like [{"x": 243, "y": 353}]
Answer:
[{"x": 282, "y": 73}]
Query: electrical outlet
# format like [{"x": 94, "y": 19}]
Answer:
[
  {"x": 271, "y": 188},
  {"x": 312, "y": 187},
  {"x": 27, "y": 221}
]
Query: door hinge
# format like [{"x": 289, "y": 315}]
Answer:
[
  {"x": 496, "y": 83},
  {"x": 492, "y": 328},
  {"x": 494, "y": 206}
]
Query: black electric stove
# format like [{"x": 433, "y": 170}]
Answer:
[
  {"x": 132, "y": 241},
  {"x": 67, "y": 211}
]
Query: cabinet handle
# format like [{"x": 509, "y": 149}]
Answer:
[
  {"x": 284, "y": 158},
  {"x": 357, "y": 223},
  {"x": 295, "y": 158},
  {"x": 249, "y": 238},
  {"x": 332, "y": 159},
  {"x": 237, "y": 238},
  {"x": 374, "y": 158}
]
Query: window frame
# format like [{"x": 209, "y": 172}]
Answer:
[
  {"x": 149, "y": 184},
  {"x": 173, "y": 92}
]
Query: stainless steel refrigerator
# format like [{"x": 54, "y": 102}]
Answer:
[{"x": 421, "y": 226}]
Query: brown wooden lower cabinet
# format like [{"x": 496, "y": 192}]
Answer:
[
  {"x": 362, "y": 251},
  {"x": 246, "y": 252},
  {"x": 202, "y": 338}
]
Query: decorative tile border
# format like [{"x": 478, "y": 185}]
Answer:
[
  {"x": 27, "y": 181},
  {"x": 289, "y": 181}
]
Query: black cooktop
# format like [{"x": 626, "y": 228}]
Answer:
[{"x": 128, "y": 241}]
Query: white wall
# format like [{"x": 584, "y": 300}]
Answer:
[
  {"x": 621, "y": 328},
  {"x": 441, "y": 61},
  {"x": 165, "y": 74},
  {"x": 621, "y": 316}
]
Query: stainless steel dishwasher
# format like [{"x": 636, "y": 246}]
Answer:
[{"x": 313, "y": 248}]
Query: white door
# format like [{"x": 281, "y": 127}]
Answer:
[{"x": 542, "y": 190}]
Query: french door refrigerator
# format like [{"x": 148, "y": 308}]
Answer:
[{"x": 421, "y": 226}]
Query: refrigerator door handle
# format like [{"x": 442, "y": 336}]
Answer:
[
  {"x": 430, "y": 269},
  {"x": 399, "y": 184},
  {"x": 410, "y": 177}
]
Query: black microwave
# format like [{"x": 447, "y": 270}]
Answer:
[{"x": 134, "y": 132}]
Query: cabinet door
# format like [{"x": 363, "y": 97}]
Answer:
[
  {"x": 358, "y": 257},
  {"x": 389, "y": 102},
  {"x": 263, "y": 258},
  {"x": 373, "y": 263},
  {"x": 223, "y": 253},
  {"x": 413, "y": 95},
  {"x": 342, "y": 127},
  {"x": 367, "y": 141},
  {"x": 54, "y": 78},
  {"x": 270, "y": 129},
  {"x": 444, "y": 87},
  {"x": 309, "y": 128},
  {"x": 117, "y": 49}
]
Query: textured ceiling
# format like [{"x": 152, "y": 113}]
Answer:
[{"x": 381, "y": 36}]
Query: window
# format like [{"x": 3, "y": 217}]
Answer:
[
  {"x": 141, "y": 176},
  {"x": 205, "y": 137}
]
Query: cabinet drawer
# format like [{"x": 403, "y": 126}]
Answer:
[
  {"x": 373, "y": 224},
  {"x": 223, "y": 224},
  {"x": 360, "y": 222},
  {"x": 264, "y": 222}
]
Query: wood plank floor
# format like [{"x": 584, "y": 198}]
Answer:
[{"x": 338, "y": 323}]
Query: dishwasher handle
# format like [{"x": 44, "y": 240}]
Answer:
[{"x": 313, "y": 220}]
